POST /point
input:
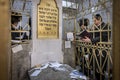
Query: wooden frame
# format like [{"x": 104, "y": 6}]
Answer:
[
  {"x": 4, "y": 41},
  {"x": 116, "y": 40}
]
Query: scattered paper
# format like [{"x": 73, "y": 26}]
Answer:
[
  {"x": 36, "y": 72},
  {"x": 44, "y": 66},
  {"x": 86, "y": 56},
  {"x": 77, "y": 75},
  {"x": 55, "y": 64}
]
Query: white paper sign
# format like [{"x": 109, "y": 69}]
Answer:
[
  {"x": 70, "y": 36},
  {"x": 67, "y": 44},
  {"x": 17, "y": 48}
]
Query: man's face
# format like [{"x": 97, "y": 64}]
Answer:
[
  {"x": 16, "y": 23},
  {"x": 96, "y": 22},
  {"x": 83, "y": 27}
]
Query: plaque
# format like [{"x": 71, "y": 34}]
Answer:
[{"x": 47, "y": 19}]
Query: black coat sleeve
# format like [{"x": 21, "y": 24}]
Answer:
[{"x": 95, "y": 40}]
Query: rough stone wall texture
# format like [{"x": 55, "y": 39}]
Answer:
[
  {"x": 69, "y": 55},
  {"x": 21, "y": 63}
]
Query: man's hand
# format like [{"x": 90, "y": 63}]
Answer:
[{"x": 86, "y": 39}]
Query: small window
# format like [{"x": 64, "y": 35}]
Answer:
[{"x": 20, "y": 28}]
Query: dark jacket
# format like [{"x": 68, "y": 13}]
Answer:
[
  {"x": 104, "y": 34},
  {"x": 14, "y": 34}
]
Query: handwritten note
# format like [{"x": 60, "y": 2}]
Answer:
[
  {"x": 17, "y": 48},
  {"x": 67, "y": 44}
]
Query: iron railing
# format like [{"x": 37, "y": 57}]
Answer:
[{"x": 95, "y": 58}]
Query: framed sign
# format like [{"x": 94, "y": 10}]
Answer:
[{"x": 47, "y": 19}]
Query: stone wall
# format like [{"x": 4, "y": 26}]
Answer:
[
  {"x": 45, "y": 50},
  {"x": 21, "y": 63}
]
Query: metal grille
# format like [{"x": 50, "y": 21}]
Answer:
[
  {"x": 21, "y": 9},
  {"x": 22, "y": 32},
  {"x": 93, "y": 58}
]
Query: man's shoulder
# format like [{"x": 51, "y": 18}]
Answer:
[{"x": 105, "y": 25}]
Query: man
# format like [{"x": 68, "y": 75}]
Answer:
[
  {"x": 98, "y": 36},
  {"x": 98, "y": 25},
  {"x": 83, "y": 23},
  {"x": 14, "y": 23}
]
